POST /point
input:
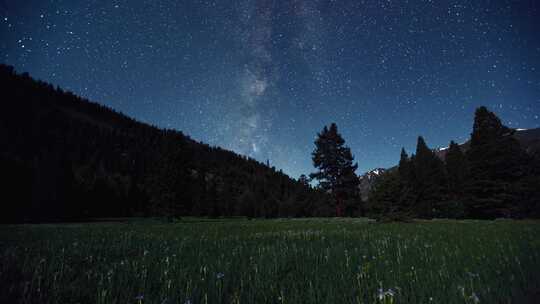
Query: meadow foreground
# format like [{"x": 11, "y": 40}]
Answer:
[{"x": 271, "y": 261}]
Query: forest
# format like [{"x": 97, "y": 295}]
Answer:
[
  {"x": 65, "y": 158},
  {"x": 492, "y": 176}
]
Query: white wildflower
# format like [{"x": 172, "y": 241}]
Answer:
[
  {"x": 382, "y": 294},
  {"x": 474, "y": 298}
]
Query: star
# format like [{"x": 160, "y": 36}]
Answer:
[{"x": 262, "y": 78}]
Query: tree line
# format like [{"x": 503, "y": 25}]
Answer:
[
  {"x": 65, "y": 158},
  {"x": 494, "y": 177}
]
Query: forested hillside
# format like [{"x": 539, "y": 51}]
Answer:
[{"x": 65, "y": 158}]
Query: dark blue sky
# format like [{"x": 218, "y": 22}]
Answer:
[{"x": 263, "y": 77}]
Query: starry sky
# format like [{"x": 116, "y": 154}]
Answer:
[{"x": 263, "y": 77}]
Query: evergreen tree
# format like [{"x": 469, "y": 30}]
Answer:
[
  {"x": 487, "y": 128},
  {"x": 496, "y": 163},
  {"x": 201, "y": 200},
  {"x": 457, "y": 173},
  {"x": 214, "y": 206},
  {"x": 494, "y": 153},
  {"x": 303, "y": 179},
  {"x": 113, "y": 165},
  {"x": 405, "y": 168},
  {"x": 457, "y": 169},
  {"x": 245, "y": 204},
  {"x": 430, "y": 181},
  {"x": 407, "y": 196},
  {"x": 385, "y": 200},
  {"x": 336, "y": 171},
  {"x": 527, "y": 187}
]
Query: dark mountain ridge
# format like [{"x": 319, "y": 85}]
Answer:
[
  {"x": 529, "y": 140},
  {"x": 65, "y": 157},
  {"x": 367, "y": 180}
]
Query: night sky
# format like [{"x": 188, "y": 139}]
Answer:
[{"x": 263, "y": 77}]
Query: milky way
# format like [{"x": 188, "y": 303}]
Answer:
[{"x": 263, "y": 77}]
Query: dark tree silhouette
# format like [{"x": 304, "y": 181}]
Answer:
[
  {"x": 457, "y": 169},
  {"x": 303, "y": 179},
  {"x": 494, "y": 178},
  {"x": 429, "y": 180},
  {"x": 336, "y": 171},
  {"x": 496, "y": 162},
  {"x": 69, "y": 158},
  {"x": 405, "y": 168}
]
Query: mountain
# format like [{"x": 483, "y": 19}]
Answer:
[
  {"x": 529, "y": 140},
  {"x": 65, "y": 158},
  {"x": 367, "y": 180}
]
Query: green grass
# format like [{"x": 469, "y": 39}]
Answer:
[{"x": 271, "y": 261}]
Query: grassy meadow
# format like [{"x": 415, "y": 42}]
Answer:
[{"x": 271, "y": 261}]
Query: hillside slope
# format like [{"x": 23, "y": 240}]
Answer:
[{"x": 64, "y": 157}]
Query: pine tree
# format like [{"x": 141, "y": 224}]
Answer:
[
  {"x": 214, "y": 206},
  {"x": 385, "y": 202},
  {"x": 496, "y": 163},
  {"x": 336, "y": 171},
  {"x": 487, "y": 128},
  {"x": 405, "y": 167},
  {"x": 303, "y": 180},
  {"x": 246, "y": 204},
  {"x": 457, "y": 169},
  {"x": 407, "y": 195},
  {"x": 457, "y": 172},
  {"x": 429, "y": 182}
]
